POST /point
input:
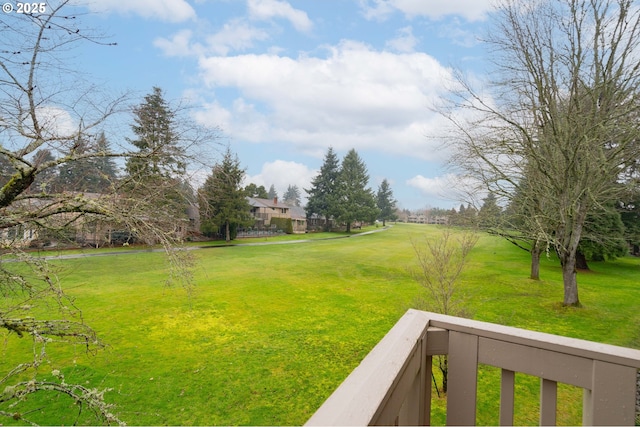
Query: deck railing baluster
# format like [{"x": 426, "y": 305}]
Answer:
[{"x": 507, "y": 391}]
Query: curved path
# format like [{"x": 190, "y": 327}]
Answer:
[{"x": 192, "y": 248}]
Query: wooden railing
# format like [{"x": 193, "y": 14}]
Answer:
[{"x": 392, "y": 385}]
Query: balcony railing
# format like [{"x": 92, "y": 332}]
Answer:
[{"x": 392, "y": 385}]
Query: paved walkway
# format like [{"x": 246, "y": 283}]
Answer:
[{"x": 192, "y": 248}]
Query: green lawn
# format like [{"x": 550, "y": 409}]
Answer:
[{"x": 272, "y": 330}]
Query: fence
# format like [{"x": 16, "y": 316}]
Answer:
[{"x": 392, "y": 385}]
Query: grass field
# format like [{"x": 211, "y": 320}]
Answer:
[{"x": 272, "y": 330}]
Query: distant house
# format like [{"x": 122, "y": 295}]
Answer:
[
  {"x": 86, "y": 229},
  {"x": 417, "y": 219},
  {"x": 427, "y": 219},
  {"x": 263, "y": 210},
  {"x": 316, "y": 222},
  {"x": 299, "y": 219}
]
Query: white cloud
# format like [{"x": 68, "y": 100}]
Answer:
[
  {"x": 212, "y": 114},
  {"x": 163, "y": 10},
  {"x": 458, "y": 33},
  {"x": 434, "y": 187},
  {"x": 405, "y": 42},
  {"x": 471, "y": 10},
  {"x": 235, "y": 35},
  {"x": 56, "y": 122},
  {"x": 178, "y": 45},
  {"x": 355, "y": 97},
  {"x": 451, "y": 187},
  {"x": 268, "y": 9},
  {"x": 281, "y": 174}
]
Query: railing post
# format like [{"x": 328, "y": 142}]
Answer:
[
  {"x": 463, "y": 379},
  {"x": 612, "y": 398},
  {"x": 425, "y": 385},
  {"x": 434, "y": 342}
]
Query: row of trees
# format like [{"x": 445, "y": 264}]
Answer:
[
  {"x": 88, "y": 174},
  {"x": 558, "y": 138},
  {"x": 153, "y": 173},
  {"x": 340, "y": 192},
  {"x": 291, "y": 196},
  {"x": 607, "y": 233}
]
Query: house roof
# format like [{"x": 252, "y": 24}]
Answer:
[
  {"x": 297, "y": 212},
  {"x": 267, "y": 203}
]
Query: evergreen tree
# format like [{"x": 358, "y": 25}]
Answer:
[
  {"x": 223, "y": 202},
  {"x": 272, "y": 194},
  {"x": 292, "y": 195},
  {"x": 90, "y": 172},
  {"x": 490, "y": 212},
  {"x": 252, "y": 190},
  {"x": 321, "y": 199},
  {"x": 630, "y": 216},
  {"x": 159, "y": 163},
  {"x": 355, "y": 202},
  {"x": 469, "y": 216},
  {"x": 602, "y": 238},
  {"x": 386, "y": 203},
  {"x": 72, "y": 176},
  {"x": 156, "y": 138},
  {"x": 46, "y": 180},
  {"x": 106, "y": 170}
]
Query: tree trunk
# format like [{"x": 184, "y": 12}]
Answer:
[
  {"x": 443, "y": 364},
  {"x": 227, "y": 232},
  {"x": 535, "y": 261},
  {"x": 569, "y": 236},
  {"x": 581, "y": 261},
  {"x": 569, "y": 280},
  {"x": 348, "y": 227}
]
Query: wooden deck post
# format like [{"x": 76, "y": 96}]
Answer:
[
  {"x": 612, "y": 398},
  {"x": 463, "y": 379}
]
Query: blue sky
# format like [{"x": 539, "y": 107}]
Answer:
[{"x": 285, "y": 80}]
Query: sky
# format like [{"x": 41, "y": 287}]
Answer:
[{"x": 286, "y": 79}]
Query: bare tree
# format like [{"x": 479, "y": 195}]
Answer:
[
  {"x": 561, "y": 115},
  {"x": 440, "y": 261},
  {"x": 45, "y": 108}
]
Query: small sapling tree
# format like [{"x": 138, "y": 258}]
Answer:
[{"x": 439, "y": 263}]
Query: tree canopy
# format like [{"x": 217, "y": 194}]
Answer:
[
  {"x": 252, "y": 190},
  {"x": 355, "y": 201},
  {"x": 90, "y": 172},
  {"x": 292, "y": 195},
  {"x": 156, "y": 139},
  {"x": 272, "y": 193},
  {"x": 321, "y": 200},
  {"x": 385, "y": 202},
  {"x": 561, "y": 118},
  {"x": 223, "y": 201}
]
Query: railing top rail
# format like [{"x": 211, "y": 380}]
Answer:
[
  {"x": 573, "y": 346},
  {"x": 358, "y": 399}
]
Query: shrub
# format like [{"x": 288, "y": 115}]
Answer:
[{"x": 284, "y": 224}]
